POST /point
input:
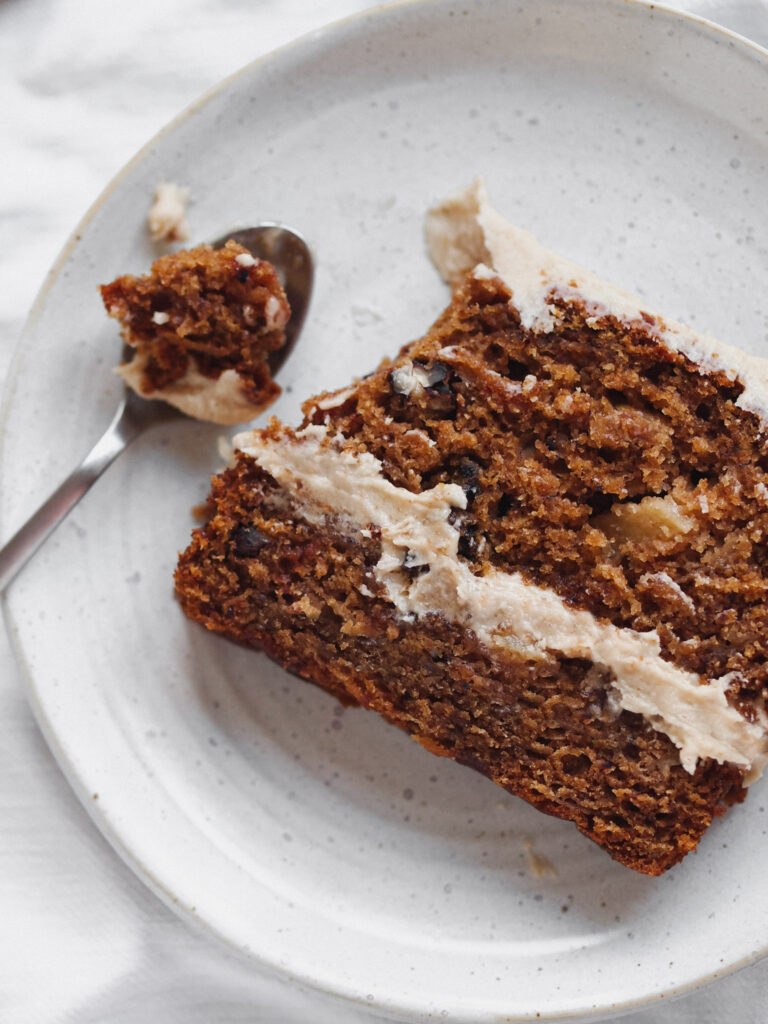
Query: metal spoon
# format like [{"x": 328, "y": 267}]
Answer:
[{"x": 290, "y": 255}]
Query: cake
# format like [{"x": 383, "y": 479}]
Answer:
[
  {"x": 535, "y": 540},
  {"x": 203, "y": 324}
]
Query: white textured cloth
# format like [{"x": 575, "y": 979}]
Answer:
[{"x": 81, "y": 940}]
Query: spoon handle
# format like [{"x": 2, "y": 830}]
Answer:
[{"x": 19, "y": 549}]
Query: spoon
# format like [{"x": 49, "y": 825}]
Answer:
[{"x": 289, "y": 254}]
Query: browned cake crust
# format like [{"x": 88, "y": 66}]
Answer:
[
  {"x": 214, "y": 309},
  {"x": 597, "y": 463}
]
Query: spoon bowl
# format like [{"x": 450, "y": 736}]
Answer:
[{"x": 290, "y": 255}]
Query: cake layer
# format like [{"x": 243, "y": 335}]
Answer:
[{"x": 465, "y": 233}]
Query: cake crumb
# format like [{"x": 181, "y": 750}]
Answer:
[
  {"x": 539, "y": 865},
  {"x": 167, "y": 218},
  {"x": 226, "y": 450},
  {"x": 202, "y": 513}
]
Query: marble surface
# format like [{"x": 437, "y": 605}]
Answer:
[{"x": 85, "y": 84}]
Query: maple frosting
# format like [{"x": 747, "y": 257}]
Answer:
[{"x": 215, "y": 399}]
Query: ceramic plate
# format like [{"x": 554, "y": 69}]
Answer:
[{"x": 320, "y": 841}]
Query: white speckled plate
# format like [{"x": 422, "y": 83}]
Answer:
[{"x": 320, "y": 841}]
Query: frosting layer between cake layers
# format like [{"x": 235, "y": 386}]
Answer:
[
  {"x": 501, "y": 608},
  {"x": 216, "y": 399}
]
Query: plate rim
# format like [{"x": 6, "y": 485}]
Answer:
[{"x": 323, "y": 34}]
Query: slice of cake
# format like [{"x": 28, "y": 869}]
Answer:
[
  {"x": 536, "y": 541},
  {"x": 203, "y": 322}
]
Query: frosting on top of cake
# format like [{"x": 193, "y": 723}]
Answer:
[
  {"x": 465, "y": 233},
  {"x": 503, "y": 609}
]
